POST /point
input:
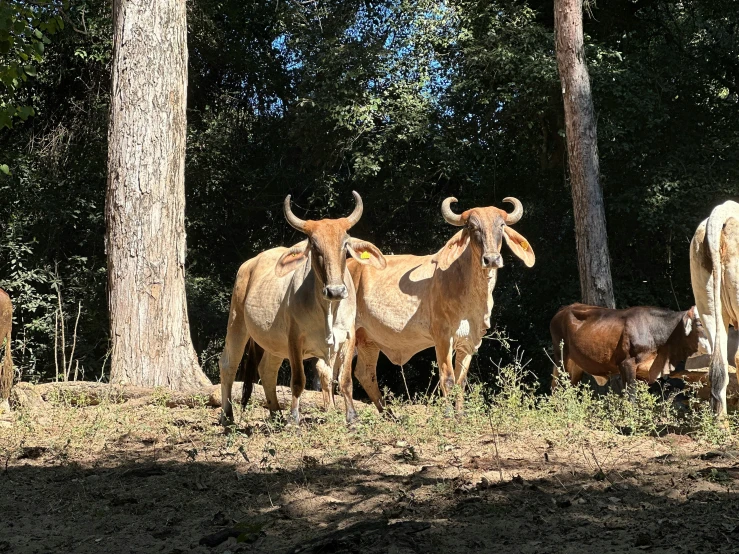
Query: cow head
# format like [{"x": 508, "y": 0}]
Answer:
[
  {"x": 328, "y": 243},
  {"x": 695, "y": 332},
  {"x": 484, "y": 231}
]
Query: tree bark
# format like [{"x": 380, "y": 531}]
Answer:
[
  {"x": 593, "y": 259},
  {"x": 145, "y": 202}
]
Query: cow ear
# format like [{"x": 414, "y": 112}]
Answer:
[
  {"x": 453, "y": 249},
  {"x": 688, "y": 321},
  {"x": 519, "y": 245},
  {"x": 292, "y": 259},
  {"x": 366, "y": 253}
]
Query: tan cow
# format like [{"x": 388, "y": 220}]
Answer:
[
  {"x": 298, "y": 303},
  {"x": 441, "y": 300},
  {"x": 714, "y": 274},
  {"x": 6, "y": 370}
]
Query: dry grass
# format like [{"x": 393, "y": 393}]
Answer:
[{"x": 535, "y": 474}]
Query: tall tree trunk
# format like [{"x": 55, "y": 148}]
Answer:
[
  {"x": 145, "y": 203},
  {"x": 593, "y": 259}
]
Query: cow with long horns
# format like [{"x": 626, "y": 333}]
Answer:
[
  {"x": 298, "y": 303},
  {"x": 442, "y": 300}
]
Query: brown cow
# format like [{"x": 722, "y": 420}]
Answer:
[
  {"x": 639, "y": 342},
  {"x": 298, "y": 303},
  {"x": 6, "y": 370},
  {"x": 441, "y": 300}
]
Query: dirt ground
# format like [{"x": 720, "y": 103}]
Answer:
[{"x": 144, "y": 477}]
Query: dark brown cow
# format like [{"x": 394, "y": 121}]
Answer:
[
  {"x": 639, "y": 342},
  {"x": 6, "y": 370}
]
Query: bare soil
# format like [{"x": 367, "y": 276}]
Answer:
[{"x": 133, "y": 476}]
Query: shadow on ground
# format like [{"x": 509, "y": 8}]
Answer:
[{"x": 146, "y": 505}]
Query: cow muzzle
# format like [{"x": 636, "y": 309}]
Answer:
[
  {"x": 491, "y": 261},
  {"x": 335, "y": 292}
]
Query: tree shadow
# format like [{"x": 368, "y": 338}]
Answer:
[{"x": 216, "y": 505}]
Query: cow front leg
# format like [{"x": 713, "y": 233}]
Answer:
[
  {"x": 461, "y": 366},
  {"x": 366, "y": 371},
  {"x": 297, "y": 386},
  {"x": 344, "y": 361},
  {"x": 228, "y": 363},
  {"x": 446, "y": 369},
  {"x": 627, "y": 369},
  {"x": 297, "y": 379}
]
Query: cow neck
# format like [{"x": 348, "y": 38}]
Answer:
[
  {"x": 329, "y": 308},
  {"x": 483, "y": 279},
  {"x": 472, "y": 286}
]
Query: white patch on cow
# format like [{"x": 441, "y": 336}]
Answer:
[
  {"x": 330, "y": 325},
  {"x": 464, "y": 328}
]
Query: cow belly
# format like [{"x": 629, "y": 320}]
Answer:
[
  {"x": 592, "y": 366},
  {"x": 398, "y": 347}
]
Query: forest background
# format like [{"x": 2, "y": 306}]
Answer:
[{"x": 405, "y": 101}]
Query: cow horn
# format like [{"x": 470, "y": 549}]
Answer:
[
  {"x": 358, "y": 209},
  {"x": 449, "y": 215},
  {"x": 517, "y": 212},
  {"x": 292, "y": 219}
]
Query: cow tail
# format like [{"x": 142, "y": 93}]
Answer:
[
  {"x": 250, "y": 368},
  {"x": 718, "y": 369}
]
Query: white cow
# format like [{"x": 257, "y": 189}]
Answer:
[{"x": 714, "y": 273}]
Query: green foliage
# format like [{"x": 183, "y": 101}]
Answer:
[
  {"x": 405, "y": 101},
  {"x": 24, "y": 31}
]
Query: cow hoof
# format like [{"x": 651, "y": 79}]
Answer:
[
  {"x": 389, "y": 413},
  {"x": 226, "y": 421},
  {"x": 351, "y": 418},
  {"x": 294, "y": 417}
]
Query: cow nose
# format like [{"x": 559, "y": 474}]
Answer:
[
  {"x": 492, "y": 260},
  {"x": 335, "y": 292}
]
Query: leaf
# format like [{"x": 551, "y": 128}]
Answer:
[{"x": 5, "y": 169}]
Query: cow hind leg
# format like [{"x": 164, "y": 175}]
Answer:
[
  {"x": 326, "y": 375},
  {"x": 269, "y": 368},
  {"x": 236, "y": 339},
  {"x": 574, "y": 371},
  {"x": 366, "y": 371}
]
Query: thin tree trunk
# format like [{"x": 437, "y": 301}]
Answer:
[
  {"x": 145, "y": 203},
  {"x": 593, "y": 258}
]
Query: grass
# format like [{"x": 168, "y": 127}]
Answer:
[{"x": 571, "y": 416}]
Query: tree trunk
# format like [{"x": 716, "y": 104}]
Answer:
[
  {"x": 145, "y": 203},
  {"x": 593, "y": 258}
]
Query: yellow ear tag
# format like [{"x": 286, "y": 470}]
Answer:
[
  {"x": 524, "y": 245},
  {"x": 365, "y": 255}
]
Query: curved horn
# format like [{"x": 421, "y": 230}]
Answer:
[
  {"x": 449, "y": 215},
  {"x": 358, "y": 209},
  {"x": 517, "y": 212},
  {"x": 292, "y": 219}
]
